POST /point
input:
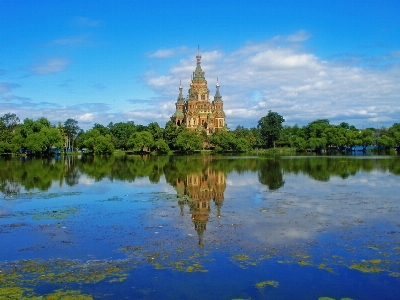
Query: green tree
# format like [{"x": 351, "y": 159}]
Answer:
[
  {"x": 156, "y": 131},
  {"x": 223, "y": 140},
  {"x": 394, "y": 132},
  {"x": 271, "y": 127},
  {"x": 71, "y": 130},
  {"x": 367, "y": 138},
  {"x": 242, "y": 145},
  {"x": 6, "y": 134},
  {"x": 88, "y": 139},
  {"x": 94, "y": 142},
  {"x": 161, "y": 146},
  {"x": 300, "y": 144},
  {"x": 316, "y": 128},
  {"x": 141, "y": 141},
  {"x": 189, "y": 141},
  {"x": 287, "y": 137},
  {"x": 258, "y": 142},
  {"x": 104, "y": 145},
  {"x": 385, "y": 141},
  {"x": 316, "y": 143},
  {"x": 353, "y": 138},
  {"x": 8, "y": 124},
  {"x": 101, "y": 128},
  {"x": 121, "y": 132},
  {"x": 171, "y": 133}
]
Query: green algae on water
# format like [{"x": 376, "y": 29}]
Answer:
[
  {"x": 241, "y": 257},
  {"x": 55, "y": 214},
  {"x": 18, "y": 293},
  {"x": 262, "y": 284},
  {"x": 366, "y": 268}
]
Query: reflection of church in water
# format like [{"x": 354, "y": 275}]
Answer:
[{"x": 197, "y": 191}]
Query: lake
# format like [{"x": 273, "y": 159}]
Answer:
[{"x": 200, "y": 227}]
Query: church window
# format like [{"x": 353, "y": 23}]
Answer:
[{"x": 203, "y": 97}]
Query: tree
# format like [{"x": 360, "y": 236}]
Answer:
[
  {"x": 156, "y": 131},
  {"x": 385, "y": 141},
  {"x": 71, "y": 130},
  {"x": 223, "y": 140},
  {"x": 353, "y": 138},
  {"x": 103, "y": 145},
  {"x": 257, "y": 142},
  {"x": 120, "y": 133},
  {"x": 316, "y": 128},
  {"x": 93, "y": 141},
  {"x": 367, "y": 138},
  {"x": 300, "y": 143},
  {"x": 270, "y": 127},
  {"x": 161, "y": 146},
  {"x": 101, "y": 128},
  {"x": 189, "y": 141},
  {"x": 10, "y": 120},
  {"x": 171, "y": 133},
  {"x": 242, "y": 145},
  {"x": 316, "y": 143},
  {"x": 141, "y": 140},
  {"x": 394, "y": 132}
]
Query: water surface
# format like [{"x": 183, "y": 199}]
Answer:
[{"x": 201, "y": 227}]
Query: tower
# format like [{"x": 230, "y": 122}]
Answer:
[{"x": 196, "y": 112}]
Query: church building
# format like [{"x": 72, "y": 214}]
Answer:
[{"x": 196, "y": 112}]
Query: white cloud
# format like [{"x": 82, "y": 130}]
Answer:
[
  {"x": 50, "y": 66},
  {"x": 295, "y": 83},
  {"x": 87, "y": 117},
  {"x": 299, "y": 36}
]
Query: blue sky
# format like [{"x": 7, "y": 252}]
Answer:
[{"x": 117, "y": 61}]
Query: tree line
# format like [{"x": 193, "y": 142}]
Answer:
[{"x": 41, "y": 137}]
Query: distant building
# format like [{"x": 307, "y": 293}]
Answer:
[{"x": 196, "y": 112}]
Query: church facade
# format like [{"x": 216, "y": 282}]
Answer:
[{"x": 197, "y": 112}]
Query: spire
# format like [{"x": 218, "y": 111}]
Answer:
[
  {"x": 217, "y": 97},
  {"x": 180, "y": 97},
  {"x": 198, "y": 56},
  {"x": 198, "y": 73}
]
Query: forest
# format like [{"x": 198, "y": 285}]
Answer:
[{"x": 37, "y": 137}]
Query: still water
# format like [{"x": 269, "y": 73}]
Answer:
[{"x": 200, "y": 227}]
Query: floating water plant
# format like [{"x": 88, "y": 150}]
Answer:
[
  {"x": 262, "y": 284},
  {"x": 55, "y": 214},
  {"x": 366, "y": 268}
]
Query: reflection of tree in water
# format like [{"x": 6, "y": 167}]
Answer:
[
  {"x": 71, "y": 174},
  {"x": 197, "y": 190},
  {"x": 42, "y": 173},
  {"x": 29, "y": 173},
  {"x": 270, "y": 174},
  {"x": 322, "y": 168},
  {"x": 10, "y": 187}
]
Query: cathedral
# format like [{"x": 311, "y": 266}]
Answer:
[{"x": 196, "y": 112}]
